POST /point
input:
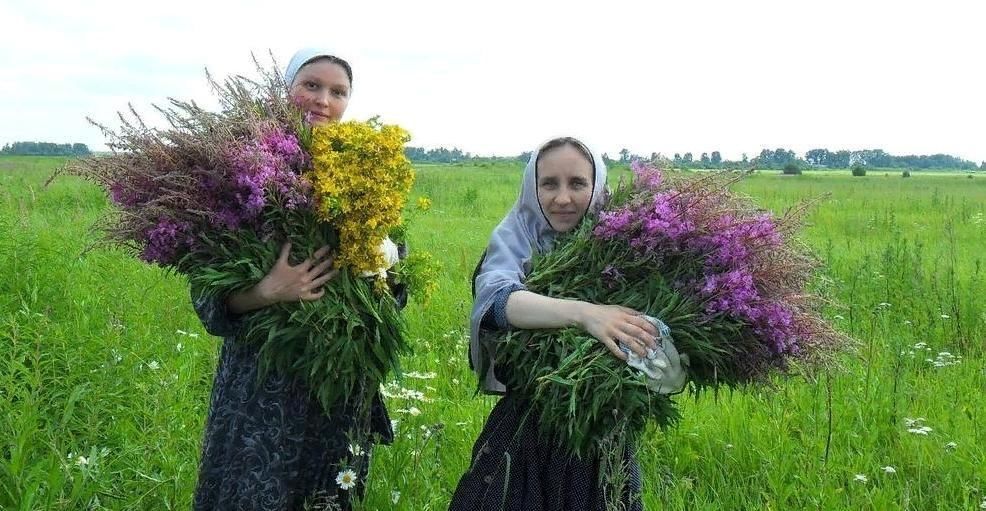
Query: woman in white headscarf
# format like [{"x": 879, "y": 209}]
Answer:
[
  {"x": 270, "y": 446},
  {"x": 514, "y": 466}
]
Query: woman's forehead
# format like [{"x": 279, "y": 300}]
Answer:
[{"x": 565, "y": 159}]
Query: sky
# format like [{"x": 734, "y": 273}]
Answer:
[{"x": 501, "y": 77}]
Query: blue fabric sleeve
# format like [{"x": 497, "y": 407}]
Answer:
[
  {"x": 214, "y": 315},
  {"x": 496, "y": 316}
]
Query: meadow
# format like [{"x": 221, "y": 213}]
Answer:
[{"x": 105, "y": 371}]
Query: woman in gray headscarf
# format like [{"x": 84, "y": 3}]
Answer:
[
  {"x": 514, "y": 467},
  {"x": 271, "y": 446}
]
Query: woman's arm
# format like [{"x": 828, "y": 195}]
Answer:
[
  {"x": 214, "y": 314},
  {"x": 610, "y": 324}
]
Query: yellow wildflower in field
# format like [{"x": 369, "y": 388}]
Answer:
[
  {"x": 360, "y": 179},
  {"x": 424, "y": 203}
]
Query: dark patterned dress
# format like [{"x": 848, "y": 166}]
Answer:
[
  {"x": 516, "y": 468},
  {"x": 270, "y": 446}
]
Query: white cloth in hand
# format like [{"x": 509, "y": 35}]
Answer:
[
  {"x": 663, "y": 367},
  {"x": 388, "y": 249}
]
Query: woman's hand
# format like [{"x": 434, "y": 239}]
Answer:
[
  {"x": 286, "y": 283},
  {"x": 611, "y": 324}
]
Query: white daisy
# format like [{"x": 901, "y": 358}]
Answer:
[
  {"x": 346, "y": 479},
  {"x": 889, "y": 470},
  {"x": 861, "y": 478},
  {"x": 913, "y": 422}
]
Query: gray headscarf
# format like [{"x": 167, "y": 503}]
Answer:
[
  {"x": 300, "y": 58},
  {"x": 508, "y": 256}
]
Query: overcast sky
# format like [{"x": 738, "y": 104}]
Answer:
[{"x": 500, "y": 77}]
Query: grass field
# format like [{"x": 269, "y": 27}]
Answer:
[{"x": 105, "y": 372}]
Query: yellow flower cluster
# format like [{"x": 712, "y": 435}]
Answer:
[{"x": 360, "y": 179}]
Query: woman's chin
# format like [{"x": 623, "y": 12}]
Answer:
[{"x": 562, "y": 227}]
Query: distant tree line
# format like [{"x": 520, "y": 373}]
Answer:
[
  {"x": 439, "y": 155},
  {"x": 767, "y": 159},
  {"x": 45, "y": 149},
  {"x": 824, "y": 158}
]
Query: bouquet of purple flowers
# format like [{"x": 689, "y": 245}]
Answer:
[
  {"x": 728, "y": 279},
  {"x": 215, "y": 195}
]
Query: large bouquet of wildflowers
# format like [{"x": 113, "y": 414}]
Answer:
[
  {"x": 216, "y": 195},
  {"x": 729, "y": 279}
]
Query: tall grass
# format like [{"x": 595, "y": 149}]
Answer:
[{"x": 105, "y": 373}]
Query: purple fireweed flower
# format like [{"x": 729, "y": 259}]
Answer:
[
  {"x": 668, "y": 217},
  {"x": 284, "y": 145},
  {"x": 613, "y": 223},
  {"x": 259, "y": 169},
  {"x": 775, "y": 323},
  {"x": 645, "y": 175},
  {"x": 166, "y": 241},
  {"x": 734, "y": 243},
  {"x": 732, "y": 292},
  {"x": 130, "y": 194},
  {"x": 733, "y": 249}
]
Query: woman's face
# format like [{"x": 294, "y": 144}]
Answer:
[
  {"x": 321, "y": 89},
  {"x": 564, "y": 186}
]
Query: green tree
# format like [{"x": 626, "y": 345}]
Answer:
[{"x": 818, "y": 157}]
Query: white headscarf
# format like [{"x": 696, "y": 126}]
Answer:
[
  {"x": 508, "y": 256},
  {"x": 300, "y": 58}
]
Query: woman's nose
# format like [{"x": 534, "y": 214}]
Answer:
[{"x": 563, "y": 197}]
